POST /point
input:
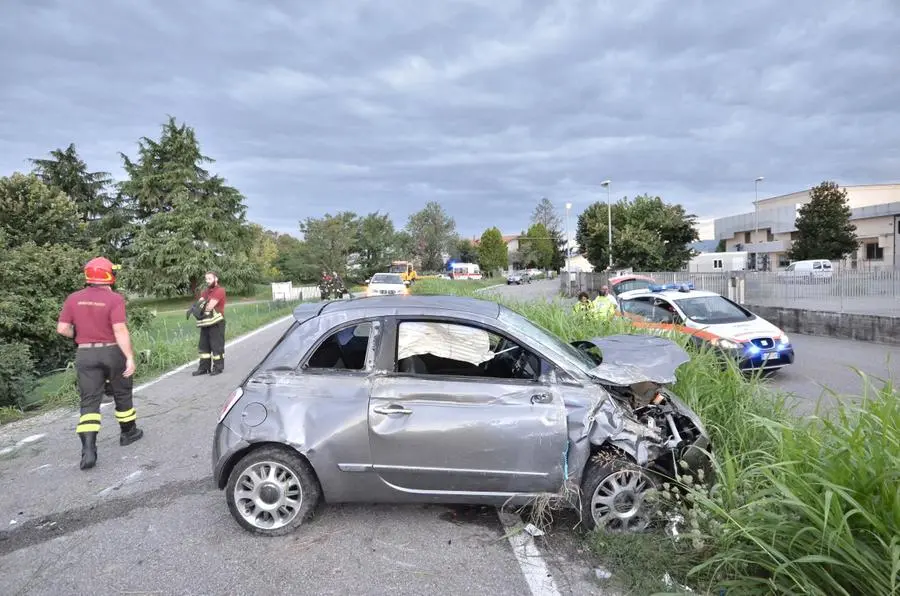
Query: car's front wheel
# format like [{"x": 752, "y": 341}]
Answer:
[
  {"x": 272, "y": 491},
  {"x": 615, "y": 496}
]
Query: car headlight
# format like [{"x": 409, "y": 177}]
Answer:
[
  {"x": 785, "y": 339},
  {"x": 727, "y": 344}
]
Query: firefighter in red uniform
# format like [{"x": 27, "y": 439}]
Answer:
[
  {"x": 95, "y": 318},
  {"x": 212, "y": 328}
]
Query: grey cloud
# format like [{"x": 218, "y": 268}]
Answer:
[{"x": 483, "y": 105}]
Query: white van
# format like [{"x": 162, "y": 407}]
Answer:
[{"x": 810, "y": 270}]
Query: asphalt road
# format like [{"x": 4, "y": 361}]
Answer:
[
  {"x": 148, "y": 519},
  {"x": 823, "y": 369}
]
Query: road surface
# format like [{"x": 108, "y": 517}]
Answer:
[
  {"x": 148, "y": 519},
  {"x": 824, "y": 366}
]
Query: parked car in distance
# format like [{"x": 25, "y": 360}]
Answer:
[
  {"x": 518, "y": 278},
  {"x": 446, "y": 399},
  {"x": 712, "y": 319},
  {"x": 383, "y": 284},
  {"x": 809, "y": 271},
  {"x": 629, "y": 282}
]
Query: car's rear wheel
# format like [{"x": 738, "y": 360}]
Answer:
[
  {"x": 272, "y": 491},
  {"x": 615, "y": 496}
]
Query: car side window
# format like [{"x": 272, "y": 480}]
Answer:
[
  {"x": 663, "y": 311},
  {"x": 345, "y": 349},
  {"x": 429, "y": 348}
]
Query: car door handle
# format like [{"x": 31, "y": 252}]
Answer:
[
  {"x": 391, "y": 410},
  {"x": 541, "y": 398}
]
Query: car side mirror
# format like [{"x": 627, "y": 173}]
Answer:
[{"x": 366, "y": 282}]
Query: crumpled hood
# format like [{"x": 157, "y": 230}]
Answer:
[{"x": 632, "y": 359}]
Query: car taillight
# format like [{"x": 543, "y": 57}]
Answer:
[{"x": 232, "y": 399}]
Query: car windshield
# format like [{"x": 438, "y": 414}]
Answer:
[
  {"x": 713, "y": 310},
  {"x": 386, "y": 278},
  {"x": 570, "y": 354}
]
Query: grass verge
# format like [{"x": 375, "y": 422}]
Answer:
[
  {"x": 168, "y": 341},
  {"x": 799, "y": 506}
]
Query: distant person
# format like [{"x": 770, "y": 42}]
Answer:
[
  {"x": 605, "y": 304},
  {"x": 95, "y": 318},
  {"x": 584, "y": 304},
  {"x": 211, "y": 345}
]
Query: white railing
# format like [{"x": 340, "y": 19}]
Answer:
[
  {"x": 287, "y": 292},
  {"x": 858, "y": 291}
]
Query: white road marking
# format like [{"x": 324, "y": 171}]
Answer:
[
  {"x": 194, "y": 362},
  {"x": 534, "y": 568}
]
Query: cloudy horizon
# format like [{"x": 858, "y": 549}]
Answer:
[{"x": 483, "y": 106}]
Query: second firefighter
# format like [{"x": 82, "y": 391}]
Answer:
[{"x": 212, "y": 328}]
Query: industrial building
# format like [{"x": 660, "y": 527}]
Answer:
[{"x": 767, "y": 232}]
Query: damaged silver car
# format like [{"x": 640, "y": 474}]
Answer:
[{"x": 446, "y": 399}]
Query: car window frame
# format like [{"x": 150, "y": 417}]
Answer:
[
  {"x": 371, "y": 349},
  {"x": 390, "y": 344}
]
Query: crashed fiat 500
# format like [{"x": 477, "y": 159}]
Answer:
[{"x": 450, "y": 400}]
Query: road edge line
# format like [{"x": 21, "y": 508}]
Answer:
[
  {"x": 535, "y": 570},
  {"x": 233, "y": 342}
]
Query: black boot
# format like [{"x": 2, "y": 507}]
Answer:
[
  {"x": 130, "y": 433},
  {"x": 218, "y": 366},
  {"x": 203, "y": 369},
  {"x": 88, "y": 450}
]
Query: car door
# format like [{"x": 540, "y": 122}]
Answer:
[{"x": 439, "y": 425}]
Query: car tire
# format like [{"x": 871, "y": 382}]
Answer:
[
  {"x": 628, "y": 511},
  {"x": 291, "y": 472}
]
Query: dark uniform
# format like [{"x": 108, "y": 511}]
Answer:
[
  {"x": 100, "y": 362},
  {"x": 212, "y": 332}
]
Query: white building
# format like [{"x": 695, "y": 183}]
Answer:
[{"x": 766, "y": 234}]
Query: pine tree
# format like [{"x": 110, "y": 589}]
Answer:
[
  {"x": 192, "y": 221},
  {"x": 824, "y": 229}
]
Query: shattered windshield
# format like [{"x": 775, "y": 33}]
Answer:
[{"x": 571, "y": 355}]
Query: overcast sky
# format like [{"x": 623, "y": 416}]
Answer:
[{"x": 482, "y": 105}]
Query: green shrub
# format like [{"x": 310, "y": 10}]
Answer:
[
  {"x": 16, "y": 373},
  {"x": 806, "y": 506}
]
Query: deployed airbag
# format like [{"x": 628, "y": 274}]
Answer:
[{"x": 444, "y": 340}]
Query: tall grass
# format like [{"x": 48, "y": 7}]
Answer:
[
  {"x": 168, "y": 341},
  {"x": 799, "y": 506}
]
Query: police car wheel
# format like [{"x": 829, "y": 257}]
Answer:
[{"x": 272, "y": 490}]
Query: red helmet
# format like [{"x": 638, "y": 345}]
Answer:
[{"x": 99, "y": 270}]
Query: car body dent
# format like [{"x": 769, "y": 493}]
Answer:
[{"x": 467, "y": 440}]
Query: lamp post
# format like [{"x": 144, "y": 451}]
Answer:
[
  {"x": 568, "y": 263},
  {"x": 606, "y": 183},
  {"x": 756, "y": 201}
]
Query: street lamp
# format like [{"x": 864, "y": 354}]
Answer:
[
  {"x": 606, "y": 183},
  {"x": 568, "y": 263},
  {"x": 756, "y": 202}
]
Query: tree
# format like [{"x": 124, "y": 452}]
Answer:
[
  {"x": 263, "y": 253},
  {"x": 648, "y": 235},
  {"x": 290, "y": 261},
  {"x": 193, "y": 221},
  {"x": 537, "y": 248},
  {"x": 721, "y": 246},
  {"x": 824, "y": 229},
  {"x": 465, "y": 251},
  {"x": 492, "y": 251},
  {"x": 546, "y": 215},
  {"x": 433, "y": 232},
  {"x": 107, "y": 217},
  {"x": 32, "y": 211},
  {"x": 329, "y": 241},
  {"x": 375, "y": 243}
]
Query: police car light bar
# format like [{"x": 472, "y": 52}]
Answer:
[{"x": 681, "y": 287}]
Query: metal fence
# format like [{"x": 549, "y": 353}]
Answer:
[{"x": 875, "y": 292}]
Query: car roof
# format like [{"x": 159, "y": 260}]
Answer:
[
  {"x": 670, "y": 294},
  {"x": 406, "y": 305},
  {"x": 629, "y": 276}
]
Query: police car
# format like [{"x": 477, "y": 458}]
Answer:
[{"x": 709, "y": 318}]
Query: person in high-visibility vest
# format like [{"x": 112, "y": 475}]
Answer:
[
  {"x": 604, "y": 304},
  {"x": 584, "y": 305}
]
